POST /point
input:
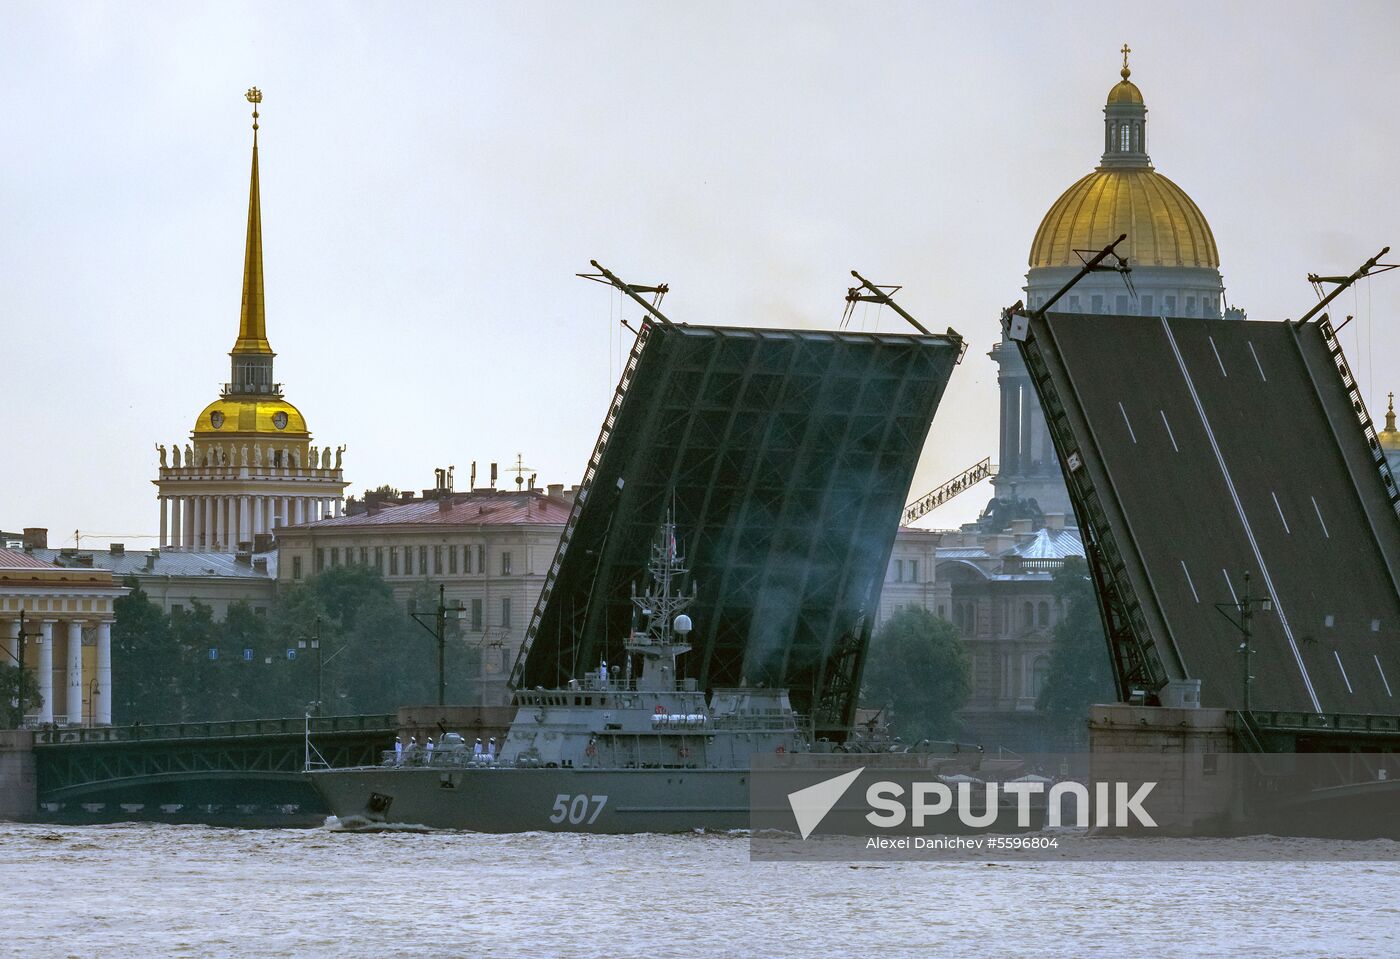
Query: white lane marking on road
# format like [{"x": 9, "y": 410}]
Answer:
[
  {"x": 1231, "y": 586},
  {"x": 1319, "y": 517},
  {"x": 1343, "y": 669},
  {"x": 1239, "y": 509},
  {"x": 1280, "y": 513},
  {"x": 1217, "y": 355},
  {"x": 1170, "y": 435},
  {"x": 1381, "y": 670},
  {"x": 1257, "y": 364},
  {"x": 1125, "y": 420},
  {"x": 1188, "y": 581}
]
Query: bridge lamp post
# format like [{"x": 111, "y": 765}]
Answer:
[
  {"x": 18, "y": 703},
  {"x": 439, "y": 630},
  {"x": 1240, "y": 615}
]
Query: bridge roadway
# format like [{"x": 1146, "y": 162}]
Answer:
[
  {"x": 1226, "y": 448},
  {"x": 253, "y": 763}
]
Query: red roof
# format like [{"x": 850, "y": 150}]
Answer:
[
  {"x": 466, "y": 509},
  {"x": 19, "y": 559}
]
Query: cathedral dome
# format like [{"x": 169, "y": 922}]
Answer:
[
  {"x": 248, "y": 415},
  {"x": 1125, "y": 195},
  {"x": 1163, "y": 224}
]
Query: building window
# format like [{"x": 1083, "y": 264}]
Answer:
[
  {"x": 379, "y": 559},
  {"x": 1096, "y": 304},
  {"x": 408, "y": 560},
  {"x": 1074, "y": 302},
  {"x": 1147, "y": 304},
  {"x": 505, "y": 612},
  {"x": 505, "y": 563},
  {"x": 1122, "y": 306},
  {"x": 335, "y": 556},
  {"x": 913, "y": 571},
  {"x": 451, "y": 559},
  {"x": 1027, "y": 615},
  {"x": 296, "y": 567},
  {"x": 1171, "y": 304},
  {"x": 481, "y": 559},
  {"x": 320, "y": 559},
  {"x": 898, "y": 576},
  {"x": 1190, "y": 306},
  {"x": 393, "y": 561},
  {"x": 437, "y": 560},
  {"x": 1040, "y": 675},
  {"x": 423, "y": 560},
  {"x": 1125, "y": 141},
  {"x": 1043, "y": 614},
  {"x": 476, "y": 615}
]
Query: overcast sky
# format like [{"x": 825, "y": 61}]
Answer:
[{"x": 433, "y": 179}]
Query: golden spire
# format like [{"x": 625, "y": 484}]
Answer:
[
  {"x": 252, "y": 321},
  {"x": 1390, "y": 414},
  {"x": 1124, "y": 73}
]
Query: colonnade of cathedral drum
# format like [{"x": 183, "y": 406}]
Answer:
[
  {"x": 75, "y": 688},
  {"x": 215, "y": 500},
  {"x": 219, "y": 522}
]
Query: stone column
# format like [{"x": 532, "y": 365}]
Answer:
[
  {"x": 221, "y": 523},
  {"x": 46, "y": 671},
  {"x": 102, "y": 707},
  {"x": 300, "y": 510},
  {"x": 75, "y": 673},
  {"x": 244, "y": 527},
  {"x": 257, "y": 515},
  {"x": 175, "y": 536},
  {"x": 189, "y": 522},
  {"x": 336, "y": 505},
  {"x": 164, "y": 539},
  {"x": 1027, "y": 421}
]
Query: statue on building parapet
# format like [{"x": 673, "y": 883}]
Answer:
[
  {"x": 189, "y": 455},
  {"x": 175, "y": 452},
  {"x": 326, "y": 458},
  {"x": 313, "y": 459},
  {"x": 257, "y": 455},
  {"x": 244, "y": 456},
  {"x": 162, "y": 455},
  {"x": 296, "y": 458},
  {"x": 339, "y": 450}
]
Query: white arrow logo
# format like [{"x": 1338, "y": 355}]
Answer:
[{"x": 810, "y": 805}]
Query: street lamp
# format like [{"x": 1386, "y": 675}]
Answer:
[
  {"x": 439, "y": 630},
  {"x": 1243, "y": 613},
  {"x": 321, "y": 661},
  {"x": 18, "y": 656}
]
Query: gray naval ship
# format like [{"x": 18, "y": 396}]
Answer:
[{"x": 612, "y": 753}]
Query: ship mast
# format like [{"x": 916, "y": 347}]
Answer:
[{"x": 663, "y": 637}]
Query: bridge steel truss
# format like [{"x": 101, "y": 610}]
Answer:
[
  {"x": 786, "y": 455},
  {"x": 73, "y": 764}
]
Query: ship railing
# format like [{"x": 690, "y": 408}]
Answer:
[{"x": 449, "y": 758}]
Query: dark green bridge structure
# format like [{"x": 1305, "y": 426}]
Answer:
[{"x": 250, "y": 771}]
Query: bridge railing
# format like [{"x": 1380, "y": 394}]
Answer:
[{"x": 222, "y": 730}]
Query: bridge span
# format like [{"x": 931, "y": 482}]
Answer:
[{"x": 236, "y": 771}]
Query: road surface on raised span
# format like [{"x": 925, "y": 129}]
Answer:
[{"x": 1231, "y": 449}]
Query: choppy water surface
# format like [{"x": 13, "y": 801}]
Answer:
[{"x": 156, "y": 890}]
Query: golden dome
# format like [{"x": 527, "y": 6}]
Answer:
[
  {"x": 243, "y": 415},
  {"x": 1125, "y": 91},
  {"x": 1164, "y": 226},
  {"x": 1390, "y": 436}
]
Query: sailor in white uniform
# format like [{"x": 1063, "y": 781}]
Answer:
[
  {"x": 491, "y": 750},
  {"x": 398, "y": 750},
  {"x": 476, "y": 749}
]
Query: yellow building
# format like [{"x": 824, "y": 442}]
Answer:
[
  {"x": 249, "y": 466},
  {"x": 58, "y": 622}
]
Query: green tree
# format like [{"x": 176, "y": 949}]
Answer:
[
  {"x": 918, "y": 669},
  {"x": 146, "y": 667},
  {"x": 1080, "y": 671},
  {"x": 19, "y": 694}
]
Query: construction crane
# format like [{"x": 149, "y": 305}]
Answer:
[{"x": 930, "y": 501}]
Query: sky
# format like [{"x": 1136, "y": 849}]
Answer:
[{"x": 433, "y": 175}]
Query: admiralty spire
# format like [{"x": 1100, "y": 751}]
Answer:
[{"x": 249, "y": 465}]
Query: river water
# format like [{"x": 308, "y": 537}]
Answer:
[{"x": 161, "y": 890}]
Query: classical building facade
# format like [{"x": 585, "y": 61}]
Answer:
[
  {"x": 490, "y": 549},
  {"x": 1175, "y": 272},
  {"x": 58, "y": 623},
  {"x": 249, "y": 466}
]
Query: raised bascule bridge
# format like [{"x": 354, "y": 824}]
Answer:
[
  {"x": 786, "y": 455},
  {"x": 1240, "y": 520}
]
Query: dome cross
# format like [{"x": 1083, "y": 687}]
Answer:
[{"x": 1125, "y": 71}]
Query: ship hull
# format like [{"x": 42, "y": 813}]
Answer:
[{"x": 508, "y": 800}]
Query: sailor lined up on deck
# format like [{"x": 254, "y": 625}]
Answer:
[
  {"x": 429, "y": 749},
  {"x": 491, "y": 749},
  {"x": 603, "y": 673},
  {"x": 398, "y": 749},
  {"x": 476, "y": 748}
]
